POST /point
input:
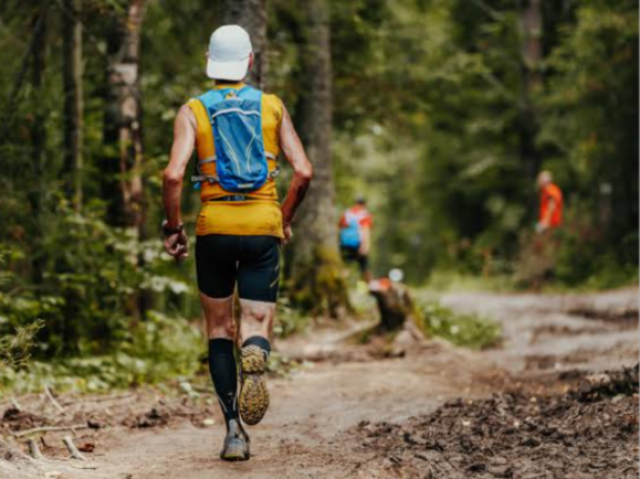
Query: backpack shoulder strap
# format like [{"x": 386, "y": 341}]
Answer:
[
  {"x": 210, "y": 98},
  {"x": 247, "y": 92}
]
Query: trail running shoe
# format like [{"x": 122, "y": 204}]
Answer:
[
  {"x": 236, "y": 444},
  {"x": 254, "y": 397}
]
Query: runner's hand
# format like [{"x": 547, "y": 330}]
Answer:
[
  {"x": 177, "y": 245},
  {"x": 541, "y": 227},
  {"x": 288, "y": 234}
]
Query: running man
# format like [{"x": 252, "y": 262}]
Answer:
[
  {"x": 355, "y": 236},
  {"x": 551, "y": 203},
  {"x": 238, "y": 133}
]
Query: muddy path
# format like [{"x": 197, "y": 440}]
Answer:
[
  {"x": 559, "y": 333},
  {"x": 356, "y": 412}
]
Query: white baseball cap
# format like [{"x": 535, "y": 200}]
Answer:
[{"x": 229, "y": 52}]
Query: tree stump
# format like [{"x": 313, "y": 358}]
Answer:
[{"x": 396, "y": 307}]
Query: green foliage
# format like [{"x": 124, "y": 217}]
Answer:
[
  {"x": 428, "y": 125},
  {"x": 573, "y": 256},
  {"x": 15, "y": 348},
  {"x": 85, "y": 304},
  {"x": 467, "y": 330},
  {"x": 160, "y": 349},
  {"x": 290, "y": 320},
  {"x": 590, "y": 113},
  {"x": 438, "y": 150}
]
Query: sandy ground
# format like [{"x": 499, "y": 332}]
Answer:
[{"x": 351, "y": 412}]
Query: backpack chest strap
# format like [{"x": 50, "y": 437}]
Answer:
[
  {"x": 214, "y": 179},
  {"x": 212, "y": 159}
]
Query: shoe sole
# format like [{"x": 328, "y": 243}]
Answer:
[
  {"x": 235, "y": 457},
  {"x": 254, "y": 396}
]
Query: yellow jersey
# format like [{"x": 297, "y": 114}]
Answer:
[{"x": 260, "y": 215}]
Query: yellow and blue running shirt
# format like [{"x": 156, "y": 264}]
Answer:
[{"x": 260, "y": 215}]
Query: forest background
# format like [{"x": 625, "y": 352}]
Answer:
[{"x": 440, "y": 112}]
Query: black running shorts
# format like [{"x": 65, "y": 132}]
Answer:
[
  {"x": 352, "y": 254},
  {"x": 253, "y": 262}
]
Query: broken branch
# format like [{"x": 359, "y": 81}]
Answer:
[
  {"x": 34, "y": 449},
  {"x": 50, "y": 429},
  {"x": 73, "y": 449}
]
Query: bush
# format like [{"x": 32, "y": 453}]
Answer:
[
  {"x": 468, "y": 330},
  {"x": 161, "y": 348},
  {"x": 577, "y": 255},
  {"x": 89, "y": 306},
  {"x": 15, "y": 349}
]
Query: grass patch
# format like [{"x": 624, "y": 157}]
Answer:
[{"x": 467, "y": 330}]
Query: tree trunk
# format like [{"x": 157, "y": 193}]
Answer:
[
  {"x": 73, "y": 100},
  {"x": 123, "y": 183},
  {"x": 252, "y": 16},
  {"x": 395, "y": 305},
  {"x": 38, "y": 142},
  {"x": 66, "y": 325},
  {"x": 317, "y": 279},
  {"x": 530, "y": 19},
  {"x": 124, "y": 116}
]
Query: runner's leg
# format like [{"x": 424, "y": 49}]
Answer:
[
  {"x": 216, "y": 266},
  {"x": 222, "y": 362},
  {"x": 363, "y": 262},
  {"x": 258, "y": 278}
]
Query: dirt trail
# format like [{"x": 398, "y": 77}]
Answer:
[
  {"x": 546, "y": 333},
  {"x": 318, "y": 425}
]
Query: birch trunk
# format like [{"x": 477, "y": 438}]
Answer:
[
  {"x": 123, "y": 119},
  {"x": 124, "y": 186}
]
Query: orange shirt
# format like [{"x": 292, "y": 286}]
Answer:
[
  {"x": 547, "y": 194},
  {"x": 360, "y": 213}
]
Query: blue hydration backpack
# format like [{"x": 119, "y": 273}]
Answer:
[
  {"x": 236, "y": 121},
  {"x": 350, "y": 234}
]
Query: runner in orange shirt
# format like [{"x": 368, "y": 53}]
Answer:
[
  {"x": 355, "y": 236},
  {"x": 551, "y": 203}
]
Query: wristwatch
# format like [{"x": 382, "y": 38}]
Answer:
[{"x": 171, "y": 231}]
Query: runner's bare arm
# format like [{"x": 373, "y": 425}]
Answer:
[
  {"x": 184, "y": 140},
  {"x": 183, "y": 143},
  {"x": 365, "y": 240},
  {"x": 302, "y": 169}
]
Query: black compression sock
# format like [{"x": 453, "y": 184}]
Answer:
[
  {"x": 261, "y": 342},
  {"x": 224, "y": 374}
]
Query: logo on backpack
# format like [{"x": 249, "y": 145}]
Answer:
[{"x": 236, "y": 121}]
